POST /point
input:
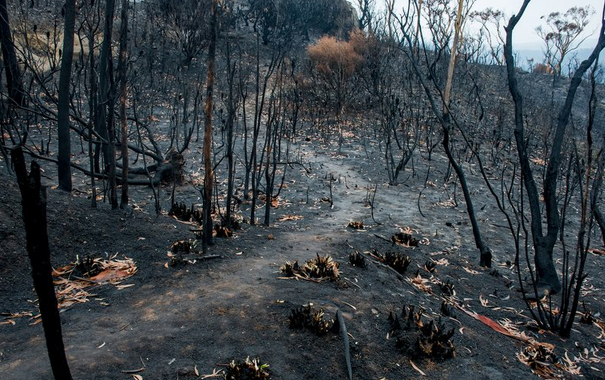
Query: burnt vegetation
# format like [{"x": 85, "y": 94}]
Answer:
[
  {"x": 421, "y": 337},
  {"x": 216, "y": 103},
  {"x": 319, "y": 268},
  {"x": 313, "y": 320}
]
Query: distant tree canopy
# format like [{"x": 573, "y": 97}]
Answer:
[
  {"x": 275, "y": 19},
  {"x": 188, "y": 22},
  {"x": 562, "y": 34}
]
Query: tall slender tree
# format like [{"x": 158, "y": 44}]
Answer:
[
  {"x": 104, "y": 74},
  {"x": 64, "y": 169},
  {"x": 122, "y": 82},
  {"x": 208, "y": 171},
  {"x": 105, "y": 114},
  {"x": 11, "y": 65},
  {"x": 443, "y": 114}
]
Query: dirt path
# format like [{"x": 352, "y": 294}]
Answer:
[{"x": 174, "y": 321}]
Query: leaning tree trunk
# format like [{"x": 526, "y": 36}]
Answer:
[
  {"x": 601, "y": 223},
  {"x": 34, "y": 218},
  {"x": 11, "y": 65},
  {"x": 485, "y": 254},
  {"x": 64, "y": 169}
]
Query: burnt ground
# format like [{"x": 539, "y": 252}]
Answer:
[{"x": 175, "y": 321}]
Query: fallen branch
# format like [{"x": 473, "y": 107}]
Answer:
[{"x": 345, "y": 338}]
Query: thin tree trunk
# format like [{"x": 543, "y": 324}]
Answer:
[
  {"x": 104, "y": 73},
  {"x": 92, "y": 108},
  {"x": 208, "y": 172},
  {"x": 485, "y": 254},
  {"x": 64, "y": 169},
  {"x": 34, "y": 218},
  {"x": 600, "y": 222},
  {"x": 269, "y": 146},
  {"x": 230, "y": 120},
  {"x": 485, "y": 258},
  {"x": 111, "y": 132},
  {"x": 122, "y": 81},
  {"x": 452, "y": 64},
  {"x": 11, "y": 65},
  {"x": 255, "y": 133}
]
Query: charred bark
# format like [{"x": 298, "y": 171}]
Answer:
[
  {"x": 14, "y": 79},
  {"x": 544, "y": 242},
  {"x": 122, "y": 82},
  {"x": 34, "y": 218},
  {"x": 64, "y": 169},
  {"x": 208, "y": 171},
  {"x": 104, "y": 87}
]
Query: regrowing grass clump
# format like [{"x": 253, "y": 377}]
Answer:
[
  {"x": 319, "y": 268},
  {"x": 421, "y": 337},
  {"x": 247, "y": 370},
  {"x": 306, "y": 317}
]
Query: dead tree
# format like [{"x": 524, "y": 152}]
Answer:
[
  {"x": 63, "y": 102},
  {"x": 544, "y": 242},
  {"x": 208, "y": 170},
  {"x": 232, "y": 100},
  {"x": 445, "y": 118},
  {"x": 34, "y": 218},
  {"x": 11, "y": 65},
  {"x": 103, "y": 87},
  {"x": 122, "y": 82}
]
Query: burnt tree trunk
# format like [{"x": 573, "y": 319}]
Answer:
[
  {"x": 122, "y": 82},
  {"x": 544, "y": 242},
  {"x": 543, "y": 245},
  {"x": 34, "y": 218},
  {"x": 11, "y": 65},
  {"x": 103, "y": 97},
  {"x": 601, "y": 222},
  {"x": 64, "y": 169},
  {"x": 447, "y": 122},
  {"x": 485, "y": 253},
  {"x": 208, "y": 172},
  {"x": 230, "y": 125}
]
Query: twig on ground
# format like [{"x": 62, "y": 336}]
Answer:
[{"x": 345, "y": 338}]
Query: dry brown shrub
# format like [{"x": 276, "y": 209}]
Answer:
[{"x": 332, "y": 56}]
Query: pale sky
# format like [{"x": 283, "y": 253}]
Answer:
[{"x": 525, "y": 32}]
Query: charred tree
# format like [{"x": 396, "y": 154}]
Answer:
[
  {"x": 103, "y": 87},
  {"x": 122, "y": 83},
  {"x": 63, "y": 103},
  {"x": 485, "y": 253},
  {"x": 14, "y": 79},
  {"x": 34, "y": 218},
  {"x": 208, "y": 170},
  {"x": 448, "y": 123},
  {"x": 544, "y": 242},
  {"x": 231, "y": 113}
]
